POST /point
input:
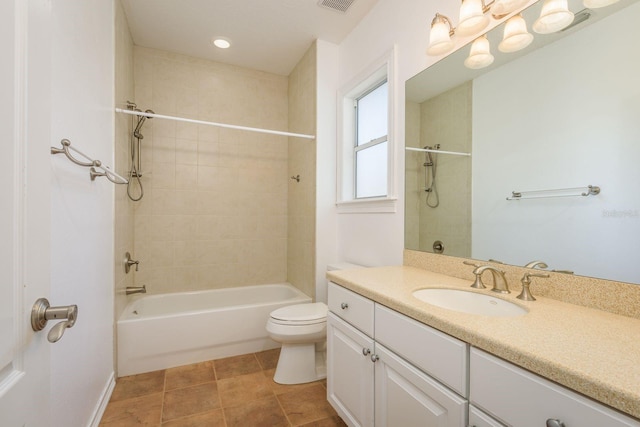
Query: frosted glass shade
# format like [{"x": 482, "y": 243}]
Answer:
[
  {"x": 439, "y": 37},
  {"x": 555, "y": 15},
  {"x": 516, "y": 36},
  {"x": 472, "y": 19},
  {"x": 480, "y": 55},
  {"x": 505, "y": 7},
  {"x": 595, "y": 4}
]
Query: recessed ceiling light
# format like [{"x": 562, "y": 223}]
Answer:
[{"x": 221, "y": 43}]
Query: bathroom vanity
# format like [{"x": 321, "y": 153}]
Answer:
[{"x": 395, "y": 360}]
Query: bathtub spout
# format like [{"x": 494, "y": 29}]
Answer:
[{"x": 136, "y": 289}]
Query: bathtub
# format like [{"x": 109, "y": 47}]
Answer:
[{"x": 162, "y": 331}]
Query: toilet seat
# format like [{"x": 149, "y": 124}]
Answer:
[{"x": 300, "y": 314}]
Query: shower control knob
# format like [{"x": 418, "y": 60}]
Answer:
[{"x": 344, "y": 306}]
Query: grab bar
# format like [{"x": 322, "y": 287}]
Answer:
[{"x": 93, "y": 164}]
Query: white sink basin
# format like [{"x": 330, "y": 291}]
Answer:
[{"x": 469, "y": 302}]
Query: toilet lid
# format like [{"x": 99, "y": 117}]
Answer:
[{"x": 301, "y": 312}]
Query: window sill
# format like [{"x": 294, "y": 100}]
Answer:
[{"x": 377, "y": 205}]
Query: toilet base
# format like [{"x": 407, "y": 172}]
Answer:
[{"x": 300, "y": 363}]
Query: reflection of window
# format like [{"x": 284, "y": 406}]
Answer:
[{"x": 370, "y": 151}]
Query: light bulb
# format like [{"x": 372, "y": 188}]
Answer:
[
  {"x": 472, "y": 19},
  {"x": 480, "y": 55},
  {"x": 516, "y": 36},
  {"x": 554, "y": 16}
]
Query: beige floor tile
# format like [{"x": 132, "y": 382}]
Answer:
[
  {"x": 243, "y": 388},
  {"x": 185, "y": 376},
  {"x": 335, "y": 421},
  {"x": 268, "y": 359},
  {"x": 138, "y": 411},
  {"x": 207, "y": 419},
  {"x": 237, "y": 365},
  {"x": 138, "y": 385},
  {"x": 306, "y": 405},
  {"x": 188, "y": 401},
  {"x": 258, "y": 413}
]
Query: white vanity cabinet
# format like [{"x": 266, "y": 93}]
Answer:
[
  {"x": 520, "y": 398},
  {"x": 370, "y": 383}
]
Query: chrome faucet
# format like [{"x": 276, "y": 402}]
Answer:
[
  {"x": 499, "y": 280},
  {"x": 136, "y": 290},
  {"x": 534, "y": 264}
]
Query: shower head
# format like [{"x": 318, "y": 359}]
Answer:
[{"x": 141, "y": 120}]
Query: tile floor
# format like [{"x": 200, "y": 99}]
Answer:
[{"x": 235, "y": 391}]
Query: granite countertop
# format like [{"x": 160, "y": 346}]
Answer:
[{"x": 593, "y": 352}]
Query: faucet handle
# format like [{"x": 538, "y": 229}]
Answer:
[
  {"x": 525, "y": 295},
  {"x": 477, "y": 283}
]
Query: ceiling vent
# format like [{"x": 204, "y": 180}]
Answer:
[{"x": 337, "y": 5}]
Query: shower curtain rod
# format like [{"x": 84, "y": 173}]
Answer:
[
  {"x": 426, "y": 150},
  {"x": 223, "y": 125}
]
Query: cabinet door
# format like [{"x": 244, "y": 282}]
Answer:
[
  {"x": 477, "y": 418},
  {"x": 407, "y": 397},
  {"x": 522, "y": 399},
  {"x": 349, "y": 372}
]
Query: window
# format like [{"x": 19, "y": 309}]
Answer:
[
  {"x": 366, "y": 141},
  {"x": 370, "y": 151}
]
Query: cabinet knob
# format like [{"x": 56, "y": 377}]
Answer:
[
  {"x": 366, "y": 351},
  {"x": 344, "y": 306},
  {"x": 374, "y": 358},
  {"x": 555, "y": 423}
]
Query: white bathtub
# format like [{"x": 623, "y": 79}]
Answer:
[{"x": 167, "y": 330}]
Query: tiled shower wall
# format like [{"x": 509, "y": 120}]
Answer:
[
  {"x": 445, "y": 120},
  {"x": 302, "y": 162},
  {"x": 214, "y": 211},
  {"x": 124, "y": 208}
]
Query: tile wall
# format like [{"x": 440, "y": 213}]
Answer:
[
  {"x": 124, "y": 208},
  {"x": 214, "y": 212},
  {"x": 302, "y": 161}
]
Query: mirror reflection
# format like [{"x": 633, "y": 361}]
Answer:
[{"x": 555, "y": 118}]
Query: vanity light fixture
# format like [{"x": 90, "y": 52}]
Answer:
[
  {"x": 505, "y": 7},
  {"x": 440, "y": 36},
  {"x": 472, "y": 18},
  {"x": 515, "y": 36},
  {"x": 480, "y": 55},
  {"x": 595, "y": 4},
  {"x": 555, "y": 16}
]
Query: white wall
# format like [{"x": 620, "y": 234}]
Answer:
[
  {"x": 578, "y": 126},
  {"x": 82, "y": 211},
  {"x": 378, "y": 239}
]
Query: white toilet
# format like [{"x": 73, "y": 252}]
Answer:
[{"x": 300, "y": 328}]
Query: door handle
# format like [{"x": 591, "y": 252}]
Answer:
[{"x": 42, "y": 312}]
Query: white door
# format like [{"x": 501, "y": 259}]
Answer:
[{"x": 24, "y": 210}]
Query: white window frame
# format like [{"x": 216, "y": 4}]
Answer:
[{"x": 380, "y": 70}]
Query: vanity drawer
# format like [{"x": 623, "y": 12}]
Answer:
[
  {"x": 354, "y": 308},
  {"x": 520, "y": 398},
  {"x": 438, "y": 354}
]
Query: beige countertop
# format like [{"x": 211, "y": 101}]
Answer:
[{"x": 593, "y": 352}]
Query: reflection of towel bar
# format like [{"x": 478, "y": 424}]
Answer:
[
  {"x": 93, "y": 164},
  {"x": 590, "y": 190},
  {"x": 426, "y": 150}
]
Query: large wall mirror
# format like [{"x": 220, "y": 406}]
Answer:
[{"x": 564, "y": 113}]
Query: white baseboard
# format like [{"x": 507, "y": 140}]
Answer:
[{"x": 102, "y": 405}]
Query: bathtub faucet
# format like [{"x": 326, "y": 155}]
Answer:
[{"x": 136, "y": 289}]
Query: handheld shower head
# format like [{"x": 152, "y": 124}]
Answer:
[{"x": 141, "y": 120}]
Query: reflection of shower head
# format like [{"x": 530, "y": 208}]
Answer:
[{"x": 141, "y": 120}]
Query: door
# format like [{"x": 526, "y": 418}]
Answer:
[
  {"x": 349, "y": 372},
  {"x": 408, "y": 397},
  {"x": 24, "y": 210}
]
